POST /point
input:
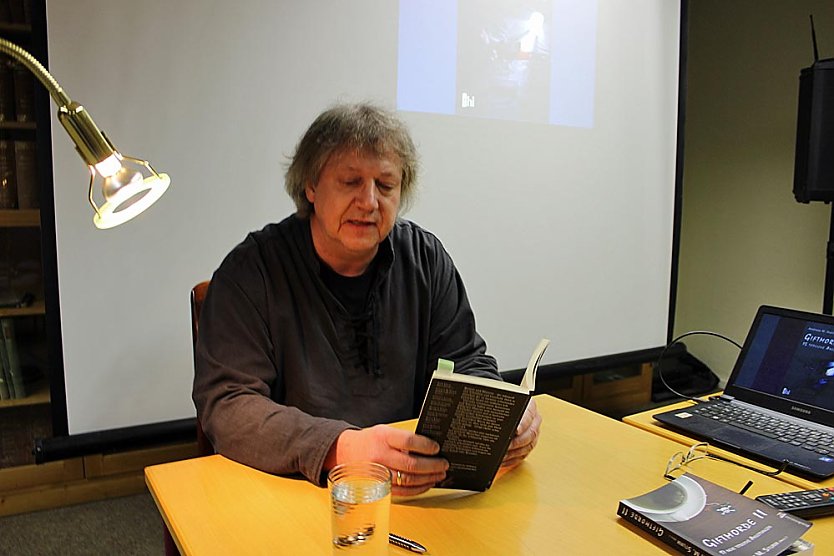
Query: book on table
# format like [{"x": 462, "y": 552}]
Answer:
[
  {"x": 698, "y": 517},
  {"x": 474, "y": 420}
]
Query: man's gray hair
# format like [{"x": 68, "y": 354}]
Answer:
[{"x": 345, "y": 127}]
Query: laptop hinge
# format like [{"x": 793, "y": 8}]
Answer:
[{"x": 723, "y": 398}]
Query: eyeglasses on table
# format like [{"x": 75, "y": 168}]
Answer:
[{"x": 680, "y": 460}]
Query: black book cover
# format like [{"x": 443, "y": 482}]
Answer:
[
  {"x": 700, "y": 518},
  {"x": 474, "y": 420}
]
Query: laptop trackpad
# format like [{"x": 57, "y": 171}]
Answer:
[{"x": 743, "y": 439}]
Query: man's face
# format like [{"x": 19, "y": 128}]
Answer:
[{"x": 355, "y": 206}]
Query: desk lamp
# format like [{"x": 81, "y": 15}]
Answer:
[{"x": 128, "y": 185}]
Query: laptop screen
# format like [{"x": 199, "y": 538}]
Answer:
[{"x": 789, "y": 355}]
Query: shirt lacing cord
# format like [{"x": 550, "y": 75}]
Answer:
[{"x": 366, "y": 339}]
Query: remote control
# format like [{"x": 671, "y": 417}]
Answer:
[{"x": 802, "y": 503}]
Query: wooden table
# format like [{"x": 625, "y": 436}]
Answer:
[
  {"x": 646, "y": 422},
  {"x": 561, "y": 500}
]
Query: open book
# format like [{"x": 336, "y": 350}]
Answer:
[{"x": 474, "y": 419}]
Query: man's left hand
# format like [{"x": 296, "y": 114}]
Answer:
[{"x": 526, "y": 436}]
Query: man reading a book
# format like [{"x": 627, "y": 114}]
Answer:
[{"x": 317, "y": 329}]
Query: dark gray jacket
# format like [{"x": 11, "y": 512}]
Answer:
[{"x": 282, "y": 369}]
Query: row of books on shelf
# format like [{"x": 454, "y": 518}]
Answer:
[
  {"x": 18, "y": 175},
  {"x": 17, "y": 92},
  {"x": 18, "y": 180},
  {"x": 12, "y": 386},
  {"x": 16, "y": 11}
]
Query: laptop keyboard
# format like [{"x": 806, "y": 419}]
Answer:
[{"x": 769, "y": 426}]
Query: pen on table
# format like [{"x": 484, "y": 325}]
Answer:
[{"x": 408, "y": 544}]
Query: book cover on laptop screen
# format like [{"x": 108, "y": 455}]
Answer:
[{"x": 787, "y": 364}]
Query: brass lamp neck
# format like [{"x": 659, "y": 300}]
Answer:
[{"x": 91, "y": 143}]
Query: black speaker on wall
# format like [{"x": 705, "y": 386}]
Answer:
[{"x": 813, "y": 178}]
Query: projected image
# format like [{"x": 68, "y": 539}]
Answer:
[
  {"x": 504, "y": 65},
  {"x": 520, "y": 60}
]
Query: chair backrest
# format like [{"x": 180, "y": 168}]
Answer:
[{"x": 198, "y": 294}]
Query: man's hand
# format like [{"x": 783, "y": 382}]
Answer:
[
  {"x": 526, "y": 436},
  {"x": 400, "y": 451}
]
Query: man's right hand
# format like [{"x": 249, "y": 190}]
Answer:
[{"x": 412, "y": 458}]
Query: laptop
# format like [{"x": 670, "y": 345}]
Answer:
[{"x": 778, "y": 405}]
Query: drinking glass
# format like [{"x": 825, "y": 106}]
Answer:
[{"x": 360, "y": 503}]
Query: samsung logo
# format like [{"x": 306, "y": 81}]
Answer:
[{"x": 800, "y": 410}]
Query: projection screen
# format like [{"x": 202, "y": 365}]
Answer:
[{"x": 547, "y": 131}]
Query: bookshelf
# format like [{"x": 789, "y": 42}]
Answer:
[
  {"x": 36, "y": 308},
  {"x": 14, "y": 29},
  {"x": 20, "y": 218},
  {"x": 18, "y": 126},
  {"x": 37, "y": 394},
  {"x": 26, "y": 244}
]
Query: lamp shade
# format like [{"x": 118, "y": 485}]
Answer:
[
  {"x": 127, "y": 192},
  {"x": 124, "y": 185}
]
